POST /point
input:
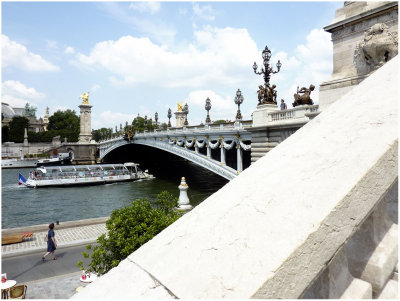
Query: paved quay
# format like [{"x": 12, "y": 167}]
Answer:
[{"x": 68, "y": 234}]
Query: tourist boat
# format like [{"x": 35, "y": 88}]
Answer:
[
  {"x": 61, "y": 159},
  {"x": 83, "y": 175}
]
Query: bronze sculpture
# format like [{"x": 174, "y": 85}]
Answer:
[
  {"x": 266, "y": 94},
  {"x": 305, "y": 98}
]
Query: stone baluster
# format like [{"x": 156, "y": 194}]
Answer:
[
  {"x": 223, "y": 161},
  {"x": 239, "y": 157}
]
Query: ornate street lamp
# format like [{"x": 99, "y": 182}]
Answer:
[
  {"x": 169, "y": 117},
  {"x": 267, "y": 70},
  {"x": 267, "y": 94},
  {"x": 156, "y": 119},
  {"x": 208, "y": 108},
  {"x": 239, "y": 100},
  {"x": 186, "y": 110}
]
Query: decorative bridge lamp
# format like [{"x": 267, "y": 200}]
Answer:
[
  {"x": 156, "y": 119},
  {"x": 186, "y": 110},
  {"x": 169, "y": 117},
  {"x": 238, "y": 100},
  {"x": 267, "y": 94},
  {"x": 208, "y": 108}
]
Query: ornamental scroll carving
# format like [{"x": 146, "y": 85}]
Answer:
[{"x": 379, "y": 46}]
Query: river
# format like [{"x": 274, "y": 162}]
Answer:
[{"x": 22, "y": 206}]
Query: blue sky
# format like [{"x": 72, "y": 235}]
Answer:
[{"x": 144, "y": 57}]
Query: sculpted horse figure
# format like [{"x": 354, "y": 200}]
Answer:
[{"x": 305, "y": 98}]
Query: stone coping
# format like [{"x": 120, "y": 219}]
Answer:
[
  {"x": 380, "y": 9},
  {"x": 62, "y": 225}
]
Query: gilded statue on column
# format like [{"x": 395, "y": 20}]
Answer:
[{"x": 85, "y": 98}]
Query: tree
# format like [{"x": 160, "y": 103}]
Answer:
[
  {"x": 163, "y": 126},
  {"x": 66, "y": 124},
  {"x": 139, "y": 124},
  {"x": 128, "y": 229},
  {"x": 17, "y": 125},
  {"x": 219, "y": 121},
  {"x": 101, "y": 134},
  {"x": 5, "y": 133}
]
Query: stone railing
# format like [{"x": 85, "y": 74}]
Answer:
[{"x": 295, "y": 113}]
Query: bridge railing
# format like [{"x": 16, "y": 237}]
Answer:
[
  {"x": 206, "y": 128},
  {"x": 295, "y": 113}
]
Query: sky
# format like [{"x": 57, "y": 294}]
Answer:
[{"x": 145, "y": 57}]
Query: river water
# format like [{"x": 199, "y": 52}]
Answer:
[{"x": 22, "y": 206}]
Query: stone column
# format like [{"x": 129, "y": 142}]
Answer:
[
  {"x": 86, "y": 128},
  {"x": 208, "y": 149},
  {"x": 223, "y": 161},
  {"x": 239, "y": 158},
  {"x": 26, "y": 138},
  {"x": 180, "y": 119}
]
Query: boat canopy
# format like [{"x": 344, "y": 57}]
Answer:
[{"x": 75, "y": 168}]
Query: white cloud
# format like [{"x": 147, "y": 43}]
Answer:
[
  {"x": 17, "y": 55},
  {"x": 69, "y": 50},
  {"x": 95, "y": 87},
  {"x": 111, "y": 119},
  {"x": 151, "y": 7},
  {"x": 17, "y": 94},
  {"x": 221, "y": 106},
  {"x": 217, "y": 56},
  {"x": 51, "y": 44},
  {"x": 205, "y": 12},
  {"x": 63, "y": 108},
  {"x": 315, "y": 58}
]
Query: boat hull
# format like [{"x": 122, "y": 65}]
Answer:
[{"x": 82, "y": 181}]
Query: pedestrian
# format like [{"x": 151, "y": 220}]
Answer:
[
  {"x": 51, "y": 243},
  {"x": 283, "y": 105}
]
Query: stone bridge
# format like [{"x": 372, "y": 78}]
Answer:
[{"x": 268, "y": 128}]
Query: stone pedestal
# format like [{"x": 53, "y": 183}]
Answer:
[
  {"x": 348, "y": 30},
  {"x": 260, "y": 115},
  {"x": 180, "y": 119},
  {"x": 183, "y": 202},
  {"x": 86, "y": 127}
]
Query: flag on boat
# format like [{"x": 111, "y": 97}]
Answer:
[{"x": 21, "y": 179}]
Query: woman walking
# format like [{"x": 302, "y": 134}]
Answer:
[{"x": 51, "y": 243}]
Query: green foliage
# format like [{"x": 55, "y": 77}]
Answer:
[
  {"x": 128, "y": 229},
  {"x": 163, "y": 126},
  {"x": 65, "y": 124},
  {"x": 5, "y": 133},
  {"x": 64, "y": 120},
  {"x": 139, "y": 124},
  {"x": 17, "y": 125},
  {"x": 219, "y": 121},
  {"x": 101, "y": 134}
]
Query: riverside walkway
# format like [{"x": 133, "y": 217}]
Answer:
[{"x": 68, "y": 234}]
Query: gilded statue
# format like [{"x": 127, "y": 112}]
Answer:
[
  {"x": 180, "y": 107},
  {"x": 305, "y": 98},
  {"x": 85, "y": 98}
]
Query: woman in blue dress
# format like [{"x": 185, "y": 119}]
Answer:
[{"x": 51, "y": 243}]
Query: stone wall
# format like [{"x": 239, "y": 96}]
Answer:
[
  {"x": 273, "y": 230},
  {"x": 348, "y": 31}
]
